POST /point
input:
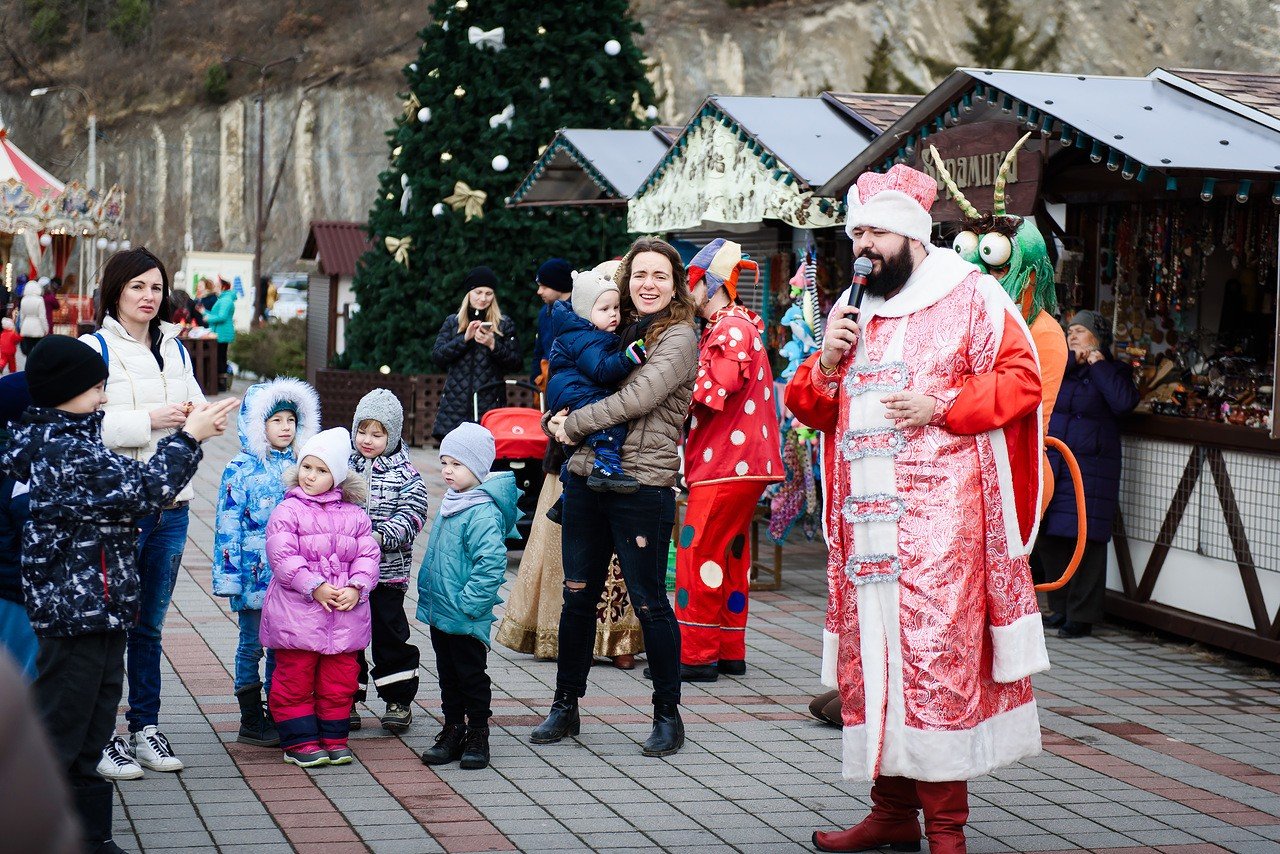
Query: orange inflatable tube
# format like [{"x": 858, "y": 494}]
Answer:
[{"x": 1082, "y": 524}]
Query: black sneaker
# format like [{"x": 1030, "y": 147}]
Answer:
[
  {"x": 340, "y": 756},
  {"x": 448, "y": 746},
  {"x": 397, "y": 717},
  {"x": 1075, "y": 630},
  {"x": 475, "y": 749},
  {"x": 353, "y": 719},
  {"x": 1053, "y": 620},
  {"x": 732, "y": 667},
  {"x": 603, "y": 480}
]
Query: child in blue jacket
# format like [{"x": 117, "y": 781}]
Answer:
[
  {"x": 458, "y": 583},
  {"x": 276, "y": 418},
  {"x": 587, "y": 363}
]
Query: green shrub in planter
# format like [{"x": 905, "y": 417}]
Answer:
[{"x": 272, "y": 350}]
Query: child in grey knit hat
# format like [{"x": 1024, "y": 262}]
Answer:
[{"x": 398, "y": 509}]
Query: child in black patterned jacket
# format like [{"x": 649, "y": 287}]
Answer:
[
  {"x": 398, "y": 509},
  {"x": 79, "y": 566}
]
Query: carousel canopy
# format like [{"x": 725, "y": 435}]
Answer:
[{"x": 17, "y": 166}]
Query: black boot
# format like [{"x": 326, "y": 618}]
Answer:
[
  {"x": 93, "y": 804},
  {"x": 562, "y": 721},
  {"x": 448, "y": 746},
  {"x": 475, "y": 750},
  {"x": 255, "y": 727},
  {"x": 668, "y": 731}
]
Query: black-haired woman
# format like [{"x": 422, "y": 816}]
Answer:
[{"x": 151, "y": 389}]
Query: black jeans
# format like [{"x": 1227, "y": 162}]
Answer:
[
  {"x": 77, "y": 691},
  {"x": 395, "y": 660},
  {"x": 1081, "y": 601},
  {"x": 222, "y": 356},
  {"x": 637, "y": 528},
  {"x": 465, "y": 690}
]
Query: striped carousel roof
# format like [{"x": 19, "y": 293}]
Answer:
[{"x": 15, "y": 164}]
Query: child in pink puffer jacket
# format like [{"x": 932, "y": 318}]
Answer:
[{"x": 324, "y": 561}]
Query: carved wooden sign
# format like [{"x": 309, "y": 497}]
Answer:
[{"x": 973, "y": 154}]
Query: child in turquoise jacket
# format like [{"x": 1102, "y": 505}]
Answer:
[{"x": 458, "y": 583}]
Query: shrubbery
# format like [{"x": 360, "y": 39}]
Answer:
[{"x": 272, "y": 350}]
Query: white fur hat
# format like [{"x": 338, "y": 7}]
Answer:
[
  {"x": 589, "y": 286},
  {"x": 333, "y": 448}
]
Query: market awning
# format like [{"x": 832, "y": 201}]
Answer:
[
  {"x": 592, "y": 167},
  {"x": 747, "y": 159},
  {"x": 1163, "y": 122}
]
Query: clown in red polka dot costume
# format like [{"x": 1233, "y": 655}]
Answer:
[{"x": 733, "y": 451}]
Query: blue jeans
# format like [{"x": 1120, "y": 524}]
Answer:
[
  {"x": 637, "y": 528},
  {"x": 161, "y": 539},
  {"x": 249, "y": 652}
]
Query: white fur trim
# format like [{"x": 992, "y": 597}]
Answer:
[
  {"x": 1018, "y": 649},
  {"x": 947, "y": 755},
  {"x": 830, "y": 657},
  {"x": 891, "y": 210},
  {"x": 281, "y": 389}
]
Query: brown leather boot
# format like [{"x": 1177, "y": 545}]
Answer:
[
  {"x": 826, "y": 708},
  {"x": 892, "y": 821},
  {"x": 946, "y": 810}
]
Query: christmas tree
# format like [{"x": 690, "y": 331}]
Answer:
[{"x": 493, "y": 82}]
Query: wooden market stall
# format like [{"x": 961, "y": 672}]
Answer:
[{"x": 1161, "y": 195}]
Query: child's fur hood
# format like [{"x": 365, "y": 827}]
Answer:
[
  {"x": 355, "y": 490},
  {"x": 261, "y": 398}
]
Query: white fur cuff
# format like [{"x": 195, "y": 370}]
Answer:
[
  {"x": 1018, "y": 649},
  {"x": 830, "y": 649}
]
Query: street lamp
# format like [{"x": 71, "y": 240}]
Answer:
[
  {"x": 260, "y": 293},
  {"x": 91, "y": 177}
]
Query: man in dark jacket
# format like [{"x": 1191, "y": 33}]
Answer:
[
  {"x": 1095, "y": 392},
  {"x": 555, "y": 284},
  {"x": 79, "y": 566},
  {"x": 15, "y": 509}
]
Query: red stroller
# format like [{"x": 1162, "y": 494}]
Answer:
[{"x": 520, "y": 446}]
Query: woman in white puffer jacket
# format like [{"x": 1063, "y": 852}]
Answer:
[
  {"x": 33, "y": 321},
  {"x": 150, "y": 390}
]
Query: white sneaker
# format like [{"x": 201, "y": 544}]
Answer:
[
  {"x": 152, "y": 750},
  {"x": 117, "y": 762}
]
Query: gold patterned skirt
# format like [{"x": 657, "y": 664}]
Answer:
[{"x": 531, "y": 622}]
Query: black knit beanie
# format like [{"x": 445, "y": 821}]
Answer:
[
  {"x": 61, "y": 367},
  {"x": 480, "y": 277}
]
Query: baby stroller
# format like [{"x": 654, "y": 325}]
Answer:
[{"x": 520, "y": 445}]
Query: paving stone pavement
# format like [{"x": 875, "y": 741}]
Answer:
[{"x": 1150, "y": 745}]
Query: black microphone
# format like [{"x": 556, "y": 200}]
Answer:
[{"x": 861, "y": 269}]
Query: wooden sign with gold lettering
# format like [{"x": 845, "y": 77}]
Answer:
[{"x": 973, "y": 154}]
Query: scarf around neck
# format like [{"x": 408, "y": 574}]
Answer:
[{"x": 455, "y": 502}]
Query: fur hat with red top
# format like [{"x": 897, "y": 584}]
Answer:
[
  {"x": 720, "y": 262},
  {"x": 898, "y": 200}
]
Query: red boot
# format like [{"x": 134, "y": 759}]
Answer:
[
  {"x": 946, "y": 809},
  {"x": 892, "y": 821}
]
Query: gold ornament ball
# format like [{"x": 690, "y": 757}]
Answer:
[
  {"x": 542, "y": 31},
  {"x": 459, "y": 92},
  {"x": 390, "y": 196},
  {"x": 445, "y": 157}
]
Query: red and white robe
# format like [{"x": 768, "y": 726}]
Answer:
[{"x": 932, "y": 627}]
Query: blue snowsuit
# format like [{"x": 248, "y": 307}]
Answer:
[{"x": 587, "y": 364}]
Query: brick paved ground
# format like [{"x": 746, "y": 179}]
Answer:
[{"x": 1149, "y": 746}]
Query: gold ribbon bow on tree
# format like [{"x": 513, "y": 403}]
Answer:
[
  {"x": 399, "y": 248},
  {"x": 467, "y": 200},
  {"x": 411, "y": 106},
  {"x": 495, "y": 38}
]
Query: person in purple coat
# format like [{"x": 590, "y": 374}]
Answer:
[
  {"x": 324, "y": 562},
  {"x": 1096, "y": 391}
]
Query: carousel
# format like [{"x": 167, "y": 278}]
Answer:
[{"x": 48, "y": 221}]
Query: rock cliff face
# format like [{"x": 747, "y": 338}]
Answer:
[{"x": 190, "y": 171}]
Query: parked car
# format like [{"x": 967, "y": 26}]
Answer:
[{"x": 291, "y": 304}]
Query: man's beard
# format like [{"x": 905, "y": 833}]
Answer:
[{"x": 894, "y": 272}]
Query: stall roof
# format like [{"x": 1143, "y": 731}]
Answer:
[
  {"x": 587, "y": 166},
  {"x": 874, "y": 111},
  {"x": 337, "y": 245},
  {"x": 1154, "y": 120}
]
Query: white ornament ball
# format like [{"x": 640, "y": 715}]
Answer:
[
  {"x": 613, "y": 47},
  {"x": 101, "y": 243},
  {"x": 437, "y": 209},
  {"x": 500, "y": 163},
  {"x": 445, "y": 157},
  {"x": 424, "y": 115},
  {"x": 126, "y": 245},
  {"x": 385, "y": 369},
  {"x": 46, "y": 240},
  {"x": 544, "y": 83},
  {"x": 651, "y": 112},
  {"x": 542, "y": 31},
  {"x": 113, "y": 246},
  {"x": 413, "y": 66},
  {"x": 461, "y": 5},
  {"x": 459, "y": 92}
]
